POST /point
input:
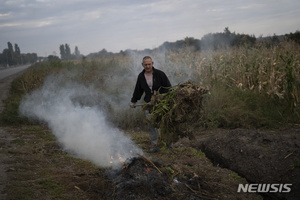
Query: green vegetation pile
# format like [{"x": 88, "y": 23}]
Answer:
[{"x": 177, "y": 111}]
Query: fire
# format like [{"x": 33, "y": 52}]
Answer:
[
  {"x": 120, "y": 160},
  {"x": 147, "y": 168}
]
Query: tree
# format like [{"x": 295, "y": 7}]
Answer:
[
  {"x": 65, "y": 51},
  {"x": 17, "y": 50},
  {"x": 62, "y": 52},
  {"x": 227, "y": 31},
  {"x": 275, "y": 39},
  {"x": 10, "y": 54},
  {"x": 14, "y": 56},
  {"x": 294, "y": 36},
  {"x": 68, "y": 51},
  {"x": 18, "y": 54},
  {"x": 29, "y": 57},
  {"x": 77, "y": 52},
  {"x": 5, "y": 57},
  {"x": 226, "y": 39},
  {"x": 53, "y": 58}
]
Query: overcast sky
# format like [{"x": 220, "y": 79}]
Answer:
[{"x": 40, "y": 26}]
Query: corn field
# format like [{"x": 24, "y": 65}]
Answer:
[{"x": 273, "y": 71}]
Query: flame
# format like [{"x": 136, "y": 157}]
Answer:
[
  {"x": 120, "y": 159},
  {"x": 111, "y": 157},
  {"x": 147, "y": 168}
]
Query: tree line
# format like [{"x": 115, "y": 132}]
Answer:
[
  {"x": 213, "y": 41},
  {"x": 210, "y": 41},
  {"x": 65, "y": 53},
  {"x": 294, "y": 37},
  {"x": 12, "y": 56}
]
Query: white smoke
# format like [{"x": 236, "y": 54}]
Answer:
[{"x": 81, "y": 130}]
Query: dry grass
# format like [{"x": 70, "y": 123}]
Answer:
[{"x": 39, "y": 169}]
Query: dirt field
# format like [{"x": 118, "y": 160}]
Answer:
[{"x": 32, "y": 165}]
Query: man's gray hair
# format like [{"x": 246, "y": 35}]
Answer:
[{"x": 147, "y": 57}]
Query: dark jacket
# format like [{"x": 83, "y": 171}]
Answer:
[{"x": 159, "y": 80}]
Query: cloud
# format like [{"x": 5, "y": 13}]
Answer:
[
  {"x": 92, "y": 15},
  {"x": 10, "y": 25},
  {"x": 4, "y": 15},
  {"x": 118, "y": 25}
]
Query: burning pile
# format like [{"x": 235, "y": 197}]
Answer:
[
  {"x": 140, "y": 180},
  {"x": 175, "y": 112}
]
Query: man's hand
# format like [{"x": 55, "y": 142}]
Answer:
[{"x": 132, "y": 105}]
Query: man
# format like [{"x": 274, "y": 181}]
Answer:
[{"x": 148, "y": 81}]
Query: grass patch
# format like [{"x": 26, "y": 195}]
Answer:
[
  {"x": 234, "y": 108},
  {"x": 52, "y": 187},
  {"x": 31, "y": 79},
  {"x": 18, "y": 141},
  {"x": 22, "y": 191},
  {"x": 236, "y": 177}
]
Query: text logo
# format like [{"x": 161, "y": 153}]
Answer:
[{"x": 276, "y": 187}]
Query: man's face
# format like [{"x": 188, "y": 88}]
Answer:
[{"x": 148, "y": 65}]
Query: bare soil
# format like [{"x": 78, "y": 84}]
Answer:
[
  {"x": 33, "y": 166},
  {"x": 259, "y": 156}
]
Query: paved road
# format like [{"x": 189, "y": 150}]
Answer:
[{"x": 10, "y": 71}]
